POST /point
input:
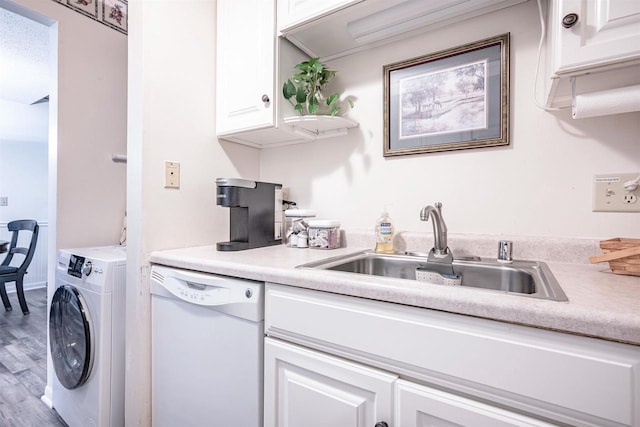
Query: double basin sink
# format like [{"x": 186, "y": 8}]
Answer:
[{"x": 525, "y": 278}]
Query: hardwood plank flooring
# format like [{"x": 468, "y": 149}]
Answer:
[{"x": 23, "y": 364}]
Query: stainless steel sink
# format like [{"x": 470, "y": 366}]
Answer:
[{"x": 527, "y": 278}]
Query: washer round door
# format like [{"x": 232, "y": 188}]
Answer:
[{"x": 71, "y": 337}]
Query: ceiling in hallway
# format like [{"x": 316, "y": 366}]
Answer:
[{"x": 24, "y": 58}]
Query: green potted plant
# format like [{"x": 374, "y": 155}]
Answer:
[{"x": 304, "y": 89}]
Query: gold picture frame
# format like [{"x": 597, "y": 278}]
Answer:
[{"x": 449, "y": 100}]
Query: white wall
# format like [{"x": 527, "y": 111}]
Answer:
[
  {"x": 87, "y": 123},
  {"x": 540, "y": 185},
  {"x": 23, "y": 160},
  {"x": 23, "y": 179},
  {"x": 171, "y": 118},
  {"x": 23, "y": 122}
]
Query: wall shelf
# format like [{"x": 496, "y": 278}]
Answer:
[{"x": 319, "y": 127}]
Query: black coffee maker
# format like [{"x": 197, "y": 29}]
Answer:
[{"x": 256, "y": 213}]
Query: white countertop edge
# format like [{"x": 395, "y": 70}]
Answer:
[{"x": 601, "y": 304}]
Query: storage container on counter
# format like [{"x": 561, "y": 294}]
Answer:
[
  {"x": 324, "y": 234},
  {"x": 296, "y": 225}
]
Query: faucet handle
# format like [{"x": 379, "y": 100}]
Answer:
[{"x": 505, "y": 250}]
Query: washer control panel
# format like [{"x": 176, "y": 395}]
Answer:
[{"x": 79, "y": 266}]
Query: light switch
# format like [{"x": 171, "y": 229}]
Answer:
[
  {"x": 4, "y": 201},
  {"x": 171, "y": 175},
  {"x": 610, "y": 194}
]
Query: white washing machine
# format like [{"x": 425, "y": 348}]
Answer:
[{"x": 87, "y": 334}]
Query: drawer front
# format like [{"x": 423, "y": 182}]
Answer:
[
  {"x": 583, "y": 375},
  {"x": 419, "y": 406}
]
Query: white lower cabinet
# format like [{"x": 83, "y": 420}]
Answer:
[
  {"x": 420, "y": 406},
  {"x": 306, "y": 388},
  {"x": 341, "y": 361}
]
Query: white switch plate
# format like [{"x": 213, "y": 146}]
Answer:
[
  {"x": 4, "y": 201},
  {"x": 171, "y": 175},
  {"x": 609, "y": 194}
]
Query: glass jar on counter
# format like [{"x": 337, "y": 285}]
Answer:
[
  {"x": 296, "y": 226},
  {"x": 324, "y": 234}
]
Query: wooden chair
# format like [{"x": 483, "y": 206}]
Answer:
[{"x": 10, "y": 273}]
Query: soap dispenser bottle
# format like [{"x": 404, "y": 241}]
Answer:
[{"x": 384, "y": 234}]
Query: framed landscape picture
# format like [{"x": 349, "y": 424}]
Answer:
[{"x": 449, "y": 100}]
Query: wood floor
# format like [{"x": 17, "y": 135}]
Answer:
[{"x": 23, "y": 364}]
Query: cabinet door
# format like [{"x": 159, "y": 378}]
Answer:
[
  {"x": 419, "y": 406},
  {"x": 607, "y": 32},
  {"x": 245, "y": 65},
  {"x": 305, "y": 388}
]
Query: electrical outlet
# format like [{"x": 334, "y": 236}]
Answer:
[
  {"x": 609, "y": 194},
  {"x": 171, "y": 175},
  {"x": 4, "y": 201}
]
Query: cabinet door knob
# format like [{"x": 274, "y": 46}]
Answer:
[
  {"x": 570, "y": 20},
  {"x": 382, "y": 424},
  {"x": 265, "y": 98}
]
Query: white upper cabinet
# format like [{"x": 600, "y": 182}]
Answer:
[
  {"x": 592, "y": 34},
  {"x": 252, "y": 64},
  {"x": 245, "y": 65},
  {"x": 293, "y": 12},
  {"x": 596, "y": 41},
  {"x": 334, "y": 28}
]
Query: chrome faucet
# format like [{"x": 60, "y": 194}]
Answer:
[{"x": 440, "y": 251}]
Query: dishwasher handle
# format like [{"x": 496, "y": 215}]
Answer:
[
  {"x": 197, "y": 286},
  {"x": 204, "y": 289}
]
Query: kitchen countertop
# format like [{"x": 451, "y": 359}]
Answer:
[{"x": 601, "y": 304}]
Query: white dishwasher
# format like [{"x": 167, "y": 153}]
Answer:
[{"x": 207, "y": 335}]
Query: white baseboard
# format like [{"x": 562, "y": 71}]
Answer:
[
  {"x": 46, "y": 397},
  {"x": 11, "y": 287}
]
